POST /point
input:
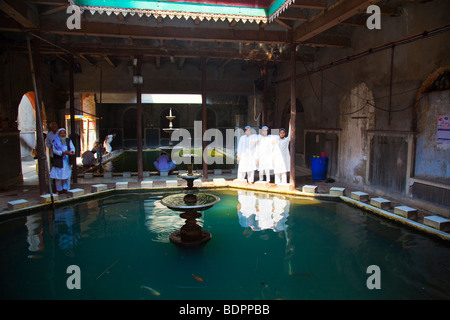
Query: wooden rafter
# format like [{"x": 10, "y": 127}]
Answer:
[
  {"x": 341, "y": 12},
  {"x": 20, "y": 12}
]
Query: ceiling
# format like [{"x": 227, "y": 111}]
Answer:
[{"x": 159, "y": 36}]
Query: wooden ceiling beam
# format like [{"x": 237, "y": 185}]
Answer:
[
  {"x": 285, "y": 25},
  {"x": 341, "y": 12},
  {"x": 310, "y": 4},
  {"x": 20, "y": 12},
  {"x": 101, "y": 29}
]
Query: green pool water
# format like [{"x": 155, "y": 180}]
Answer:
[
  {"x": 127, "y": 162},
  {"x": 263, "y": 247}
]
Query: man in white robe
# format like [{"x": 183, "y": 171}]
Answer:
[
  {"x": 61, "y": 171},
  {"x": 282, "y": 158},
  {"x": 264, "y": 154},
  {"x": 107, "y": 143},
  {"x": 246, "y": 155}
]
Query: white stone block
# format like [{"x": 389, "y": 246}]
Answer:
[
  {"x": 98, "y": 187},
  {"x": 164, "y": 173},
  {"x": 335, "y": 191},
  {"x": 46, "y": 198},
  {"x": 172, "y": 183},
  {"x": 239, "y": 182},
  {"x": 146, "y": 174},
  {"x": 75, "y": 192},
  {"x": 122, "y": 185},
  {"x": 234, "y": 171},
  {"x": 380, "y": 203},
  {"x": 219, "y": 182},
  {"x": 88, "y": 176},
  {"x": 285, "y": 187},
  {"x": 107, "y": 175},
  {"x": 198, "y": 183},
  {"x": 217, "y": 171},
  {"x": 437, "y": 222},
  {"x": 126, "y": 174},
  {"x": 360, "y": 196},
  {"x": 146, "y": 184},
  {"x": 18, "y": 204},
  {"x": 405, "y": 211},
  {"x": 262, "y": 184},
  {"x": 309, "y": 189}
]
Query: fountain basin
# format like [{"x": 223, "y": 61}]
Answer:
[{"x": 176, "y": 202}]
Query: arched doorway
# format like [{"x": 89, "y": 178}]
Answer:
[{"x": 26, "y": 124}]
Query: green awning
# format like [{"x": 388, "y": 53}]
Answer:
[{"x": 244, "y": 10}]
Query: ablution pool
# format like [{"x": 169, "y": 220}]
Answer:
[{"x": 264, "y": 246}]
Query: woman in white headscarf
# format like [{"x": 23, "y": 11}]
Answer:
[{"x": 61, "y": 171}]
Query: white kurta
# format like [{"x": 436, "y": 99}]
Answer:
[
  {"x": 282, "y": 158},
  {"x": 265, "y": 152},
  {"x": 248, "y": 208},
  {"x": 65, "y": 172},
  {"x": 107, "y": 142},
  {"x": 264, "y": 217},
  {"x": 246, "y": 153}
]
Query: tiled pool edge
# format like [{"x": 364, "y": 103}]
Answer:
[
  {"x": 271, "y": 189},
  {"x": 411, "y": 223}
]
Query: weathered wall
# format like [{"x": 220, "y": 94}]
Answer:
[
  {"x": 326, "y": 95},
  {"x": 432, "y": 157}
]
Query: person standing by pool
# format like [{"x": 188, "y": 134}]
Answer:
[
  {"x": 265, "y": 154},
  {"x": 61, "y": 171},
  {"x": 246, "y": 155},
  {"x": 107, "y": 143},
  {"x": 52, "y": 133},
  {"x": 282, "y": 159}
]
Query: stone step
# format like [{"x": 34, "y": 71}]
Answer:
[
  {"x": 18, "y": 204},
  {"x": 360, "y": 196},
  {"x": 122, "y": 185},
  {"x": 219, "y": 182},
  {"x": 381, "y": 203},
  {"x": 284, "y": 187},
  {"x": 171, "y": 183},
  {"x": 309, "y": 189},
  {"x": 146, "y": 184},
  {"x": 98, "y": 187},
  {"x": 198, "y": 183},
  {"x": 437, "y": 222},
  {"x": 405, "y": 211},
  {"x": 126, "y": 174},
  {"x": 75, "y": 192},
  {"x": 335, "y": 191},
  {"x": 46, "y": 198}
]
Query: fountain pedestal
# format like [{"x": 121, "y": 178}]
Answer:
[{"x": 190, "y": 202}]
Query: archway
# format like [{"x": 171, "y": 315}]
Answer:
[{"x": 26, "y": 124}]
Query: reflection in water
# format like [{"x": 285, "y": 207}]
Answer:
[
  {"x": 34, "y": 235},
  {"x": 162, "y": 221},
  {"x": 65, "y": 234},
  {"x": 262, "y": 211}
]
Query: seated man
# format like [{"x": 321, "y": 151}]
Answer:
[
  {"x": 163, "y": 163},
  {"x": 88, "y": 158}
]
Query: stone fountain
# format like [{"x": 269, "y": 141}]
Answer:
[
  {"x": 168, "y": 149},
  {"x": 190, "y": 202}
]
